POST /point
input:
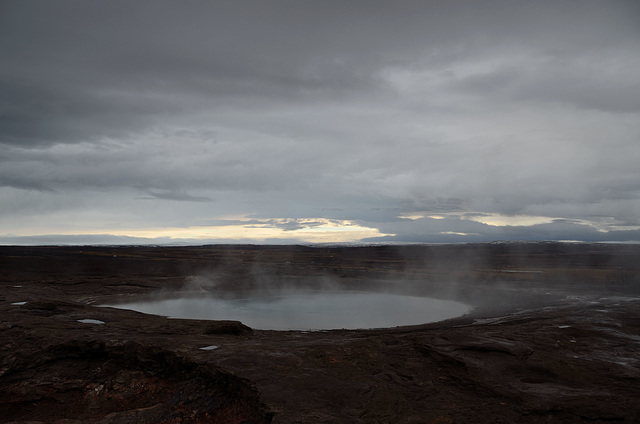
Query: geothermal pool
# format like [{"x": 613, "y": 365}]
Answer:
[{"x": 308, "y": 311}]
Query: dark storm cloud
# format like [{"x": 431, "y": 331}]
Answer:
[
  {"x": 83, "y": 70},
  {"x": 291, "y": 110},
  {"x": 561, "y": 81},
  {"x": 34, "y": 114},
  {"x": 179, "y": 195}
]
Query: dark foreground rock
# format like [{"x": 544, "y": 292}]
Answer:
[
  {"x": 120, "y": 382},
  {"x": 556, "y": 338}
]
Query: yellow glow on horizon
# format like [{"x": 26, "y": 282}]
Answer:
[
  {"x": 318, "y": 230},
  {"x": 412, "y": 216},
  {"x": 456, "y": 233},
  {"x": 498, "y": 220}
]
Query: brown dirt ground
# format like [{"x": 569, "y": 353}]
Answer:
[{"x": 555, "y": 337}]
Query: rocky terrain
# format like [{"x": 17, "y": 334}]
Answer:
[{"x": 554, "y": 337}]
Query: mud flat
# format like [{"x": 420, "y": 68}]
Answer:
[{"x": 554, "y": 336}]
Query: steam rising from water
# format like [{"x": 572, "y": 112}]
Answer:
[{"x": 309, "y": 310}]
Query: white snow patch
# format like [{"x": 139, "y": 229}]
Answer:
[
  {"x": 213, "y": 347},
  {"x": 564, "y": 326},
  {"x": 90, "y": 321},
  {"x": 19, "y": 303}
]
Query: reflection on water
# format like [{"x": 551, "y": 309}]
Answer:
[{"x": 304, "y": 311}]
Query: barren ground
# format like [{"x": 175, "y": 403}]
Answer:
[{"x": 555, "y": 337}]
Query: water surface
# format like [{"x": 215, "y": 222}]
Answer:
[{"x": 308, "y": 311}]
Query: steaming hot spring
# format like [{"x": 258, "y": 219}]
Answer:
[{"x": 304, "y": 310}]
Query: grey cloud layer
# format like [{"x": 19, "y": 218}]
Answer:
[
  {"x": 87, "y": 70},
  {"x": 357, "y": 110}
]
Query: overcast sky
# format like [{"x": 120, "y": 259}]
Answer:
[{"x": 319, "y": 121}]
